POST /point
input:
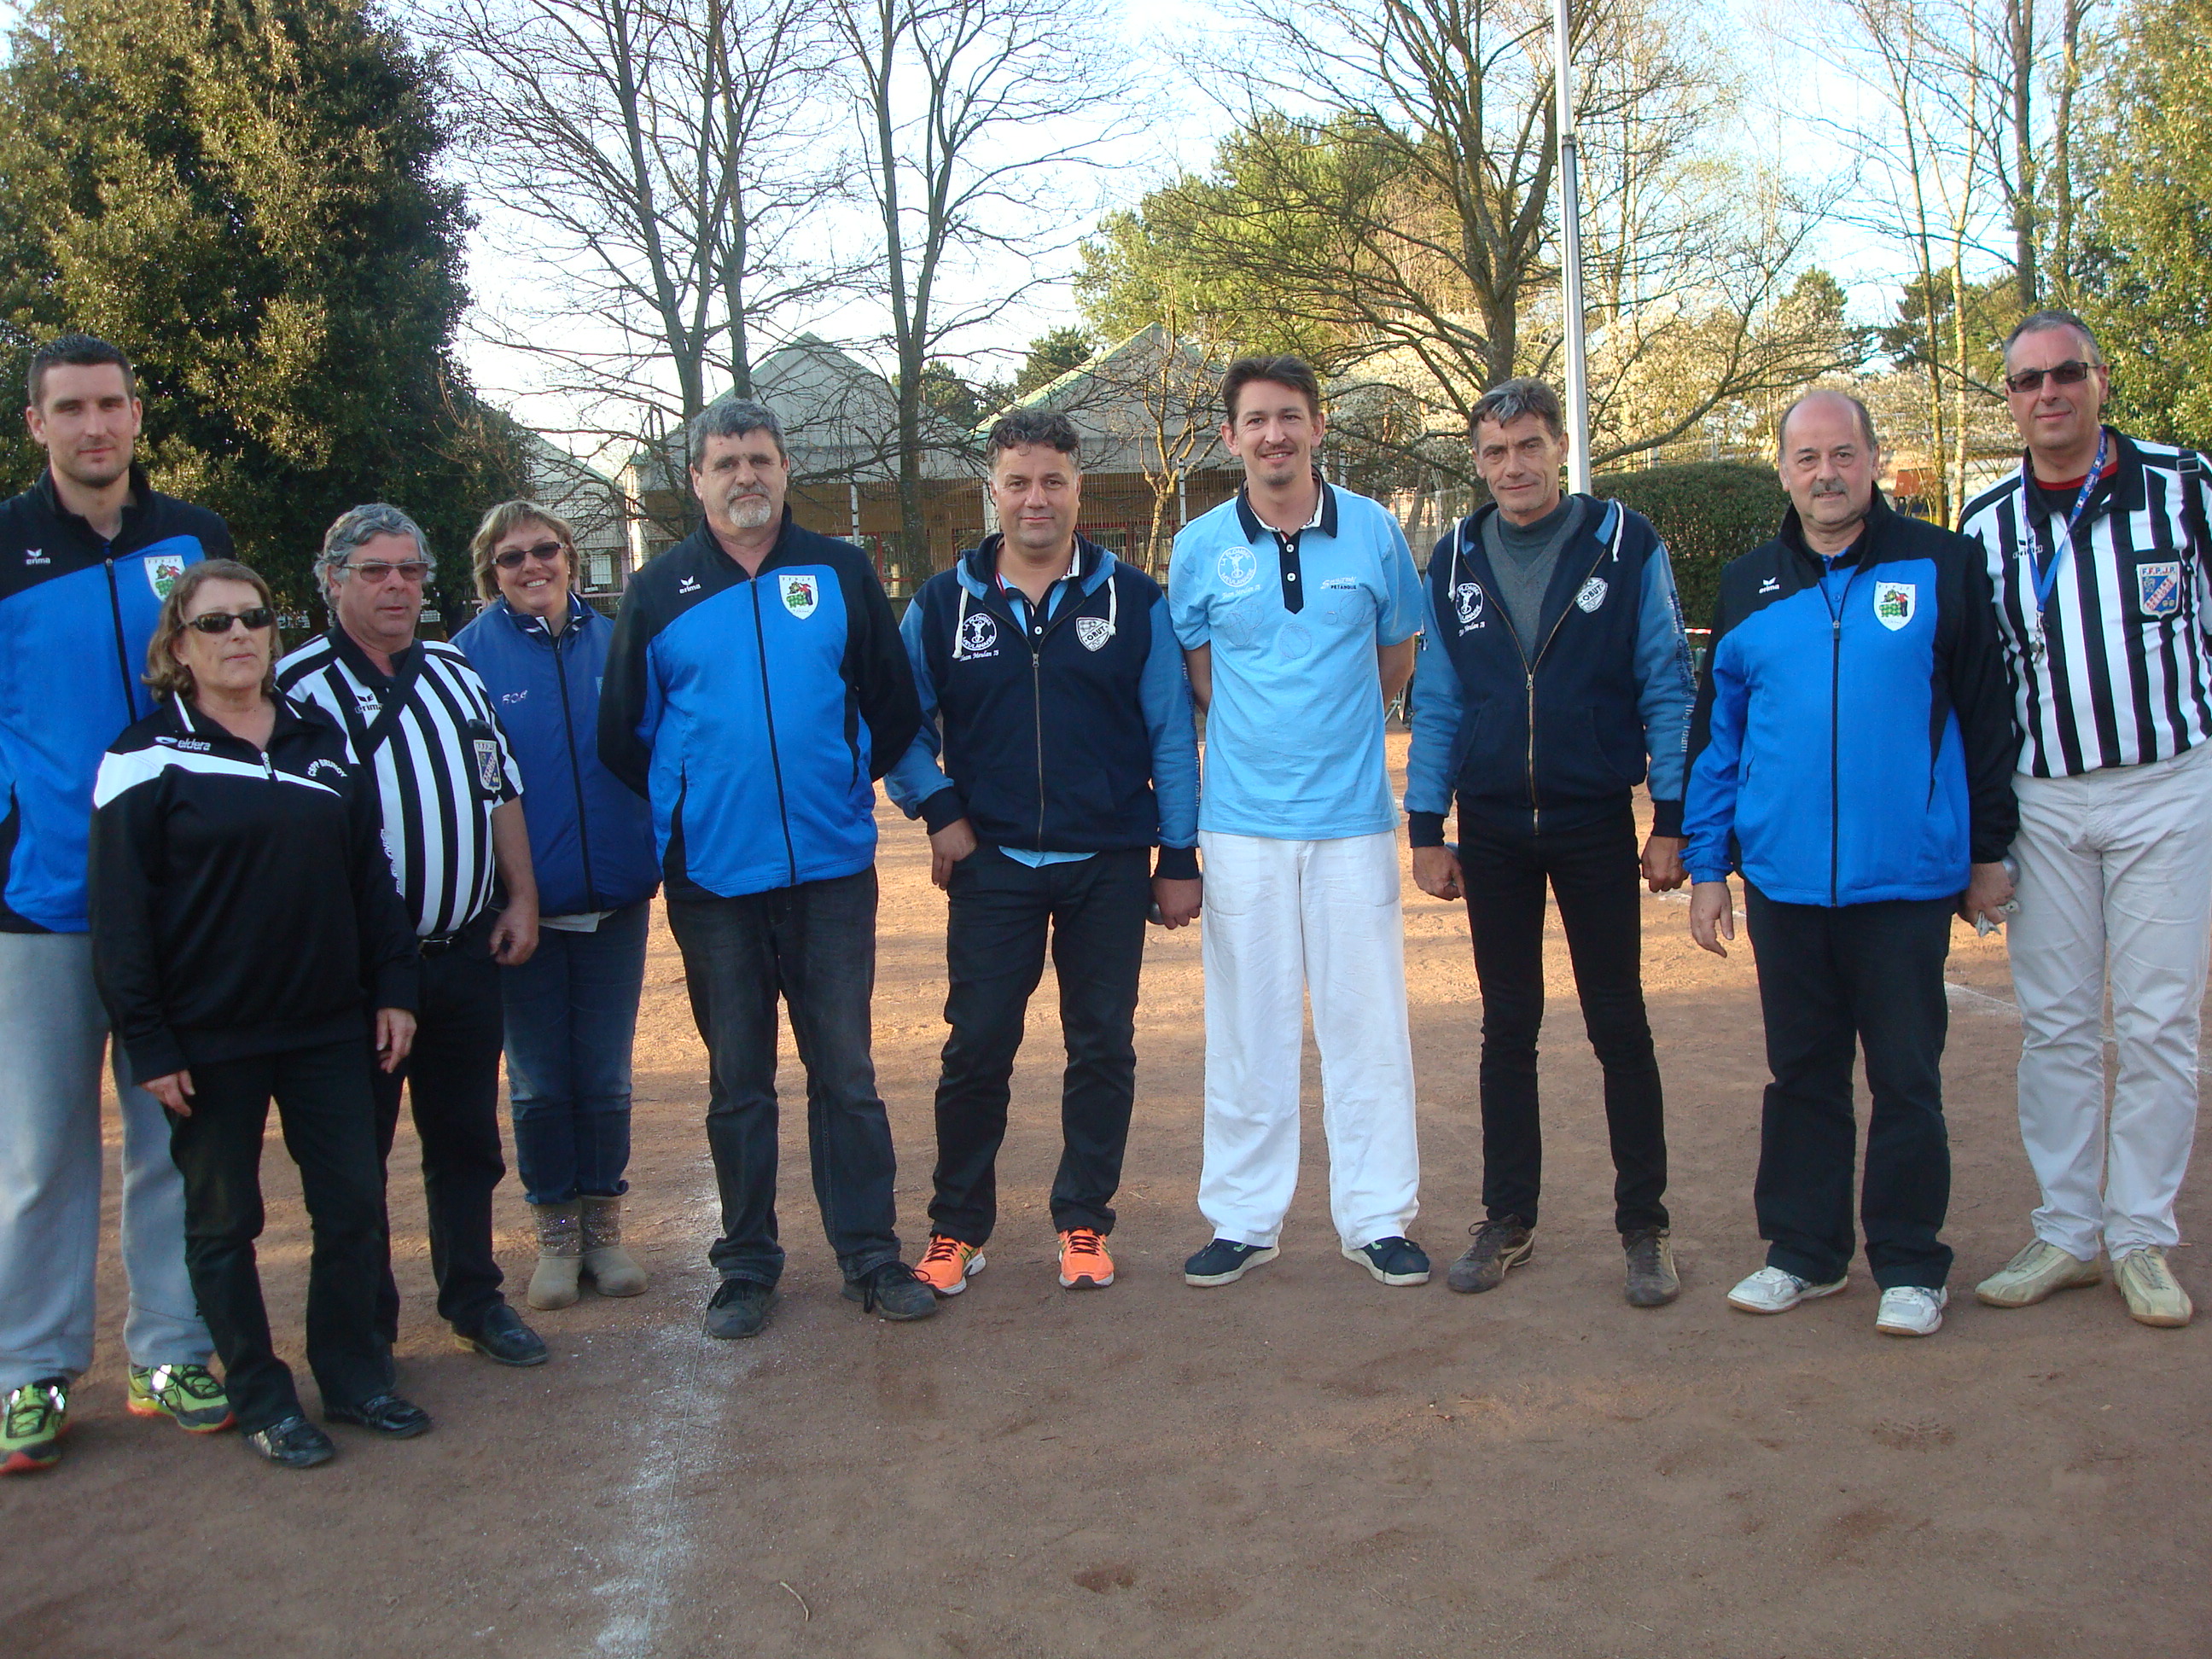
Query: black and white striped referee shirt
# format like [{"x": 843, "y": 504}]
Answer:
[
  {"x": 2126, "y": 677},
  {"x": 441, "y": 770}
]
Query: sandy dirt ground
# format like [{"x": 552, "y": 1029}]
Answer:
[{"x": 1305, "y": 1464}]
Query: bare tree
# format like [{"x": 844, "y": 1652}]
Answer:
[{"x": 972, "y": 116}]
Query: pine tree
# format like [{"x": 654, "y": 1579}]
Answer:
[{"x": 243, "y": 195}]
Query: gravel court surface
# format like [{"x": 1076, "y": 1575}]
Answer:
[{"x": 1305, "y": 1464}]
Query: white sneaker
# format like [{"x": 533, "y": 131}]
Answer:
[
  {"x": 2038, "y": 1271},
  {"x": 2155, "y": 1297},
  {"x": 1773, "y": 1290},
  {"x": 1911, "y": 1310}
]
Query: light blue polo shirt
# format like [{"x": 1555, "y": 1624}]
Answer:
[{"x": 1294, "y": 736}]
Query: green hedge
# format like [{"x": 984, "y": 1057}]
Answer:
[{"x": 1707, "y": 513}]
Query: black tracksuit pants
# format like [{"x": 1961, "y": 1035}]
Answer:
[
  {"x": 1000, "y": 914},
  {"x": 322, "y": 1098},
  {"x": 1592, "y": 870},
  {"x": 1832, "y": 980},
  {"x": 450, "y": 1077}
]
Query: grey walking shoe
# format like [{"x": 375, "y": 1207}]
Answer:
[
  {"x": 1652, "y": 1281},
  {"x": 891, "y": 1290},
  {"x": 1498, "y": 1246},
  {"x": 611, "y": 1268},
  {"x": 560, "y": 1255}
]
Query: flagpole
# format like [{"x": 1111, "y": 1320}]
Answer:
[{"x": 1571, "y": 256}]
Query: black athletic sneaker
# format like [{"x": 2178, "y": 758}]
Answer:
[
  {"x": 893, "y": 1290},
  {"x": 1499, "y": 1245},
  {"x": 738, "y": 1308},
  {"x": 293, "y": 1443},
  {"x": 1225, "y": 1262},
  {"x": 1652, "y": 1282},
  {"x": 1392, "y": 1261}
]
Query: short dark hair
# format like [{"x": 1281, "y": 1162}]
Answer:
[
  {"x": 732, "y": 417},
  {"x": 77, "y": 351},
  {"x": 1293, "y": 371},
  {"x": 2036, "y": 321},
  {"x": 1026, "y": 427},
  {"x": 1509, "y": 400},
  {"x": 1782, "y": 427}
]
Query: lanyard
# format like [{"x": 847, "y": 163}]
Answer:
[{"x": 2046, "y": 574}]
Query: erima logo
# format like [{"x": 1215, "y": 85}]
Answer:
[
  {"x": 198, "y": 746},
  {"x": 688, "y": 585},
  {"x": 1771, "y": 585},
  {"x": 35, "y": 556}
]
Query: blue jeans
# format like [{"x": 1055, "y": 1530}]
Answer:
[
  {"x": 571, "y": 1014},
  {"x": 814, "y": 944}
]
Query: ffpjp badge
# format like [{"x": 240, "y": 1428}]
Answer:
[
  {"x": 2158, "y": 588},
  {"x": 488, "y": 775}
]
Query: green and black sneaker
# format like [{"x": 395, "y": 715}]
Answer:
[
  {"x": 189, "y": 1393},
  {"x": 33, "y": 1419}
]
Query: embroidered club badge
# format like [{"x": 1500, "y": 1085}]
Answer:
[
  {"x": 1894, "y": 603},
  {"x": 1093, "y": 632},
  {"x": 2158, "y": 588},
  {"x": 1467, "y": 600},
  {"x": 1237, "y": 567},
  {"x": 979, "y": 636},
  {"x": 163, "y": 570},
  {"x": 800, "y": 596},
  {"x": 488, "y": 778},
  {"x": 1592, "y": 596}
]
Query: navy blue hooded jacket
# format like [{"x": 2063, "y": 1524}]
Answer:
[
  {"x": 591, "y": 836},
  {"x": 755, "y": 712},
  {"x": 1071, "y": 734},
  {"x": 1547, "y": 738},
  {"x": 1853, "y": 742},
  {"x": 76, "y": 612}
]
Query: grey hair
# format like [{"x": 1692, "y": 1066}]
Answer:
[
  {"x": 2036, "y": 321},
  {"x": 1509, "y": 400},
  {"x": 1782, "y": 427},
  {"x": 357, "y": 526},
  {"x": 730, "y": 418}
]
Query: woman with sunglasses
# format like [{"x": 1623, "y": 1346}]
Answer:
[
  {"x": 572, "y": 1008},
  {"x": 245, "y": 925}
]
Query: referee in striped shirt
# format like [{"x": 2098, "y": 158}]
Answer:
[
  {"x": 416, "y": 711},
  {"x": 2097, "y": 549}
]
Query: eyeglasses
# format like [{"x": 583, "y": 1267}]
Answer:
[
  {"x": 219, "y": 621},
  {"x": 374, "y": 571},
  {"x": 2070, "y": 373},
  {"x": 544, "y": 553}
]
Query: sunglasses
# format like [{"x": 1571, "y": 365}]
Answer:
[
  {"x": 374, "y": 571},
  {"x": 544, "y": 553},
  {"x": 2072, "y": 372},
  {"x": 219, "y": 621}
]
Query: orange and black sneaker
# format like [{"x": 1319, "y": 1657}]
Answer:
[
  {"x": 1084, "y": 1263},
  {"x": 946, "y": 1265}
]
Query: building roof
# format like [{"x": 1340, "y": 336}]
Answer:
[{"x": 1147, "y": 403}]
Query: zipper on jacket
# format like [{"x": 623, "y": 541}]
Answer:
[
  {"x": 1836, "y": 608},
  {"x": 121, "y": 649},
  {"x": 1528, "y": 666},
  {"x": 767, "y": 712},
  {"x": 1034, "y": 637},
  {"x": 575, "y": 772}
]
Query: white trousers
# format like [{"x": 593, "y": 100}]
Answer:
[
  {"x": 1284, "y": 919},
  {"x": 2115, "y": 878}
]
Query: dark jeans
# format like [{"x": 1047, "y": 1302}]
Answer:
[
  {"x": 323, "y": 1101},
  {"x": 994, "y": 945},
  {"x": 815, "y": 946},
  {"x": 1592, "y": 871},
  {"x": 571, "y": 1014},
  {"x": 1867, "y": 975},
  {"x": 451, "y": 1080}
]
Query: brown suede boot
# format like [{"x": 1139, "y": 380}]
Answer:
[
  {"x": 612, "y": 1269},
  {"x": 559, "y": 1255}
]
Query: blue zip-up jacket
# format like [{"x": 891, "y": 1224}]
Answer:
[
  {"x": 1071, "y": 734},
  {"x": 755, "y": 712},
  {"x": 76, "y": 612},
  {"x": 591, "y": 836},
  {"x": 1548, "y": 738},
  {"x": 1853, "y": 742}
]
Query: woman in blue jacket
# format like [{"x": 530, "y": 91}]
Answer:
[{"x": 572, "y": 1008}]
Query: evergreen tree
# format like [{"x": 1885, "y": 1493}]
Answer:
[{"x": 242, "y": 194}]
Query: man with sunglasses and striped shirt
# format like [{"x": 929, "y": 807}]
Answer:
[{"x": 2097, "y": 549}]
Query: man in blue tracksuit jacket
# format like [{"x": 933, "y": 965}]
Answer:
[
  {"x": 1553, "y": 663},
  {"x": 754, "y": 690},
  {"x": 1067, "y": 751},
  {"x": 86, "y": 555},
  {"x": 1851, "y": 755}
]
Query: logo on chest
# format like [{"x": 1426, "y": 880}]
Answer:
[
  {"x": 800, "y": 596},
  {"x": 1092, "y": 632},
  {"x": 1237, "y": 567},
  {"x": 978, "y": 637},
  {"x": 1592, "y": 595},
  {"x": 487, "y": 773},
  {"x": 2158, "y": 588},
  {"x": 1467, "y": 601},
  {"x": 1894, "y": 603},
  {"x": 163, "y": 570}
]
